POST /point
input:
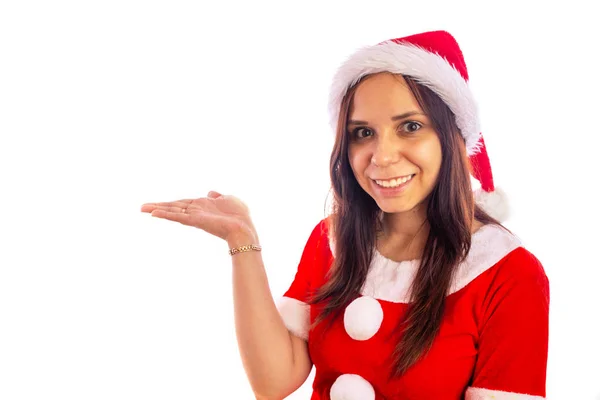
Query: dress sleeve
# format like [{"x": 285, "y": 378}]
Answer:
[
  {"x": 293, "y": 306},
  {"x": 513, "y": 333}
]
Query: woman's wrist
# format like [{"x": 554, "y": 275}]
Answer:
[{"x": 242, "y": 237}]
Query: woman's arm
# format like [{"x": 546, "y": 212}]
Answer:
[
  {"x": 276, "y": 362},
  {"x": 513, "y": 343}
]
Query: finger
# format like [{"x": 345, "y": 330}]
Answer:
[
  {"x": 213, "y": 195},
  {"x": 175, "y": 202},
  {"x": 149, "y": 207},
  {"x": 182, "y": 208},
  {"x": 205, "y": 221},
  {"x": 172, "y": 216}
]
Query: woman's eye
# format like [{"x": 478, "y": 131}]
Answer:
[
  {"x": 360, "y": 132},
  {"x": 412, "y": 126}
]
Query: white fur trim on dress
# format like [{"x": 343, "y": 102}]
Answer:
[
  {"x": 486, "y": 394},
  {"x": 391, "y": 280},
  {"x": 427, "y": 68},
  {"x": 295, "y": 315}
]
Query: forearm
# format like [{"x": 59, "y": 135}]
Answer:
[{"x": 264, "y": 341}]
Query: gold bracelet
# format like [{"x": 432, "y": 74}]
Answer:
[{"x": 244, "y": 248}]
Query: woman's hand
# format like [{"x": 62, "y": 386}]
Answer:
[{"x": 220, "y": 215}]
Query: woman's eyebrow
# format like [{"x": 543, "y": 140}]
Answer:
[{"x": 394, "y": 118}]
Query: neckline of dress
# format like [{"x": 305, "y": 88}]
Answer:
[{"x": 416, "y": 261}]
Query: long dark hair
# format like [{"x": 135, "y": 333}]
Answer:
[{"x": 355, "y": 221}]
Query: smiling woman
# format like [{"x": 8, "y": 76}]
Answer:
[{"x": 410, "y": 288}]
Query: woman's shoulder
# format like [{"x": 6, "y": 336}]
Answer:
[
  {"x": 500, "y": 253},
  {"x": 520, "y": 267},
  {"x": 317, "y": 255},
  {"x": 517, "y": 259},
  {"x": 320, "y": 237}
]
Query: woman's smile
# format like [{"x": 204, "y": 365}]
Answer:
[{"x": 393, "y": 187}]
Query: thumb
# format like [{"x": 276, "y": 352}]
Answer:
[{"x": 213, "y": 195}]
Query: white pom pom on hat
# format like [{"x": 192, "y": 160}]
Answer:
[{"x": 435, "y": 60}]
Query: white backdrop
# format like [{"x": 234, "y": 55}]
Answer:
[{"x": 107, "y": 105}]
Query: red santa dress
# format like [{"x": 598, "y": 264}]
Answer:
[{"x": 493, "y": 341}]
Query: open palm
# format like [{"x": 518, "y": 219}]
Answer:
[{"x": 217, "y": 214}]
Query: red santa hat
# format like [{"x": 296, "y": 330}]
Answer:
[{"x": 434, "y": 60}]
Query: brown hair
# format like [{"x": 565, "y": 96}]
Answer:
[{"x": 356, "y": 219}]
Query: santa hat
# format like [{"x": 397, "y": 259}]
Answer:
[{"x": 432, "y": 59}]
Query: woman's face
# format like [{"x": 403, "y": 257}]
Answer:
[{"x": 391, "y": 137}]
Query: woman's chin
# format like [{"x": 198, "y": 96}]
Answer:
[{"x": 397, "y": 205}]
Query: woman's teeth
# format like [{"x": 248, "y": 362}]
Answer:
[{"x": 395, "y": 182}]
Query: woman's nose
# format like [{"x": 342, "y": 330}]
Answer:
[{"x": 386, "y": 151}]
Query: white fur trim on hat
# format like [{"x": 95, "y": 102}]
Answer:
[
  {"x": 494, "y": 203},
  {"x": 428, "y": 69}
]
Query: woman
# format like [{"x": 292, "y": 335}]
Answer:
[{"x": 409, "y": 289}]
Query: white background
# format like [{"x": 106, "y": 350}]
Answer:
[{"x": 107, "y": 105}]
